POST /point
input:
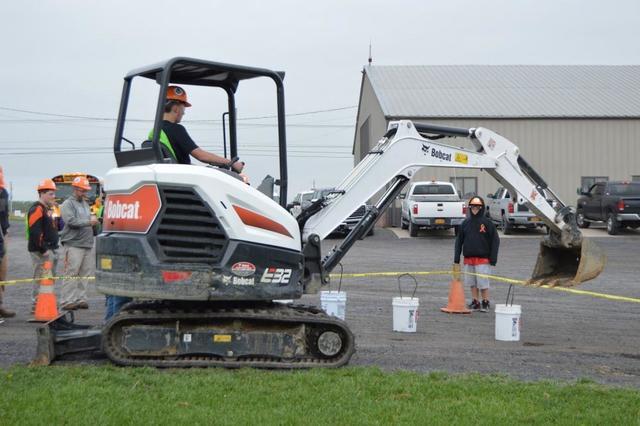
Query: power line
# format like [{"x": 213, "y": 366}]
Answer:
[
  {"x": 291, "y": 142},
  {"x": 53, "y": 140},
  {"x": 49, "y": 148},
  {"x": 247, "y": 153},
  {"x": 217, "y": 123},
  {"x": 94, "y": 118}
]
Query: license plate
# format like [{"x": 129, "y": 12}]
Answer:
[
  {"x": 534, "y": 219},
  {"x": 440, "y": 221}
]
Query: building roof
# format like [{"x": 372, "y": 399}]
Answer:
[{"x": 507, "y": 91}]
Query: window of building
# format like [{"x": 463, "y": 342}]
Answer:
[
  {"x": 466, "y": 186},
  {"x": 587, "y": 181}
]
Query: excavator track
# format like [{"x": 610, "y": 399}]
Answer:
[{"x": 262, "y": 335}]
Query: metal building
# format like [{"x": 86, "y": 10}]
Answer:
[{"x": 574, "y": 124}]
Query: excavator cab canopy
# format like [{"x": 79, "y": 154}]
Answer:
[{"x": 196, "y": 72}]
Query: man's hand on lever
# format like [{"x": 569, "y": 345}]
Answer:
[{"x": 237, "y": 166}]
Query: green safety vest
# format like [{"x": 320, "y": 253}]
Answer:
[
  {"x": 26, "y": 224},
  {"x": 164, "y": 140}
]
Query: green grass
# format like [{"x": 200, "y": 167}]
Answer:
[{"x": 112, "y": 395}]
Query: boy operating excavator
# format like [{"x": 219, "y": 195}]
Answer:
[
  {"x": 176, "y": 139},
  {"x": 479, "y": 242}
]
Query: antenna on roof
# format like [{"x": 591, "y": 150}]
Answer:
[{"x": 370, "y": 59}]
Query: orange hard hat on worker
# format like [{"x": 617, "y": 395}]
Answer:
[
  {"x": 476, "y": 201},
  {"x": 46, "y": 185},
  {"x": 177, "y": 93},
  {"x": 81, "y": 182}
]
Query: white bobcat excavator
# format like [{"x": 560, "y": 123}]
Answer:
[{"x": 205, "y": 255}]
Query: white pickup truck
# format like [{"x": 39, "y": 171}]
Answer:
[
  {"x": 432, "y": 205},
  {"x": 509, "y": 213}
]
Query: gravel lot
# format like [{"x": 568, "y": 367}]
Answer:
[{"x": 565, "y": 336}]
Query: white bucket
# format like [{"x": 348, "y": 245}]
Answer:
[
  {"x": 405, "y": 314},
  {"x": 334, "y": 303},
  {"x": 508, "y": 322},
  {"x": 284, "y": 301}
]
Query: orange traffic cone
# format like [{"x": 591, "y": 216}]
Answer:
[
  {"x": 46, "y": 306},
  {"x": 456, "y": 299}
]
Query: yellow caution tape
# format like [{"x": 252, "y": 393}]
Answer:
[
  {"x": 30, "y": 280},
  {"x": 393, "y": 274},
  {"x": 496, "y": 278}
]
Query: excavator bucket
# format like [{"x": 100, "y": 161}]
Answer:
[
  {"x": 62, "y": 336},
  {"x": 568, "y": 267}
]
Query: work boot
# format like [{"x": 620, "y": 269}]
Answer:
[
  {"x": 486, "y": 306},
  {"x": 82, "y": 305},
  {"x": 5, "y": 313},
  {"x": 70, "y": 307},
  {"x": 474, "y": 305}
]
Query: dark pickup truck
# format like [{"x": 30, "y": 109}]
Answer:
[{"x": 616, "y": 203}]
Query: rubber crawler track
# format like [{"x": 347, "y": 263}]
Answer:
[{"x": 163, "y": 312}]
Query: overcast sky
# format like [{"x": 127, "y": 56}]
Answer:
[{"x": 69, "y": 58}]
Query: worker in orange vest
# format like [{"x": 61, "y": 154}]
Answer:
[{"x": 42, "y": 233}]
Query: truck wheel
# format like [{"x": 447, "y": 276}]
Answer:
[
  {"x": 612, "y": 225},
  {"x": 413, "y": 229},
  {"x": 403, "y": 224},
  {"x": 506, "y": 228},
  {"x": 580, "y": 220}
]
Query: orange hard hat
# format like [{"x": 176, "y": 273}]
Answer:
[
  {"x": 177, "y": 93},
  {"x": 476, "y": 201},
  {"x": 81, "y": 182},
  {"x": 47, "y": 185}
]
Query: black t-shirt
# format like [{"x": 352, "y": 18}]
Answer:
[{"x": 180, "y": 141}]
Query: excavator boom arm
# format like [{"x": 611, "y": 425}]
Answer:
[{"x": 407, "y": 147}]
